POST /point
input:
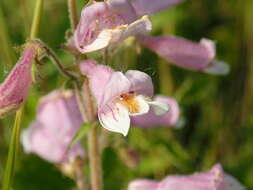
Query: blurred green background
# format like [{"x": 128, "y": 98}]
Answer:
[{"x": 217, "y": 111}]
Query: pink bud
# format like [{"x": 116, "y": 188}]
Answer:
[
  {"x": 58, "y": 119},
  {"x": 14, "y": 89}
]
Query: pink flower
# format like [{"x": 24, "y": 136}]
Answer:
[
  {"x": 143, "y": 184},
  {"x": 151, "y": 119},
  {"x": 101, "y": 24},
  {"x": 121, "y": 95},
  {"x": 147, "y": 7},
  {"x": 14, "y": 89},
  {"x": 58, "y": 119},
  {"x": 214, "y": 179},
  {"x": 186, "y": 54}
]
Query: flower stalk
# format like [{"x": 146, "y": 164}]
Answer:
[
  {"x": 86, "y": 106},
  {"x": 14, "y": 143}
]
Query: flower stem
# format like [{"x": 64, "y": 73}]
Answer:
[
  {"x": 13, "y": 151},
  {"x": 36, "y": 18},
  {"x": 94, "y": 157},
  {"x": 15, "y": 136},
  {"x": 72, "y": 14},
  {"x": 85, "y": 102}
]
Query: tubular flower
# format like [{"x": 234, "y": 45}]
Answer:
[
  {"x": 120, "y": 96},
  {"x": 14, "y": 89},
  {"x": 214, "y": 179},
  {"x": 100, "y": 25},
  {"x": 186, "y": 54},
  {"x": 181, "y": 52},
  {"x": 151, "y": 119},
  {"x": 145, "y": 7},
  {"x": 58, "y": 119}
]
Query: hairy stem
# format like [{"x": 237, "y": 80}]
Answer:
[{"x": 95, "y": 161}]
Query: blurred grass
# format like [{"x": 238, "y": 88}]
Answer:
[{"x": 217, "y": 110}]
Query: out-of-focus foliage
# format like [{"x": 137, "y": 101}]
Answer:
[{"x": 217, "y": 111}]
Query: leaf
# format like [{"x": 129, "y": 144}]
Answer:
[
  {"x": 13, "y": 151},
  {"x": 82, "y": 131}
]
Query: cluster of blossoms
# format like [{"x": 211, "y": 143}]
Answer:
[{"x": 121, "y": 99}]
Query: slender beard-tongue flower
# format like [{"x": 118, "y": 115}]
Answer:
[
  {"x": 214, "y": 179},
  {"x": 14, "y": 89},
  {"x": 186, "y": 54},
  {"x": 101, "y": 25},
  {"x": 120, "y": 96},
  {"x": 57, "y": 121}
]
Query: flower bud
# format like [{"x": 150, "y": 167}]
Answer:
[{"x": 14, "y": 89}]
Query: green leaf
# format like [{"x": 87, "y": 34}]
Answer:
[
  {"x": 83, "y": 130},
  {"x": 13, "y": 151}
]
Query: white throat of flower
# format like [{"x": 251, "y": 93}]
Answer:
[{"x": 115, "y": 117}]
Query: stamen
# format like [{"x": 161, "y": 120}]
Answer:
[{"x": 129, "y": 101}]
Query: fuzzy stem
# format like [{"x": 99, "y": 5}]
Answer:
[
  {"x": 79, "y": 175},
  {"x": 72, "y": 14},
  {"x": 85, "y": 102},
  {"x": 94, "y": 157},
  {"x": 54, "y": 58}
]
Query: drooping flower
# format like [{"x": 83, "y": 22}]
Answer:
[
  {"x": 14, "y": 89},
  {"x": 120, "y": 96},
  {"x": 58, "y": 119},
  {"x": 145, "y": 7},
  {"x": 186, "y": 54},
  {"x": 151, "y": 119},
  {"x": 100, "y": 25},
  {"x": 214, "y": 179}
]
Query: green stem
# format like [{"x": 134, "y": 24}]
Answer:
[
  {"x": 15, "y": 136},
  {"x": 36, "y": 18},
  {"x": 13, "y": 151}
]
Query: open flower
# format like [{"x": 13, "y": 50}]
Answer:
[
  {"x": 14, "y": 89},
  {"x": 186, "y": 54},
  {"x": 151, "y": 119},
  {"x": 120, "y": 96},
  {"x": 100, "y": 25},
  {"x": 58, "y": 119},
  {"x": 214, "y": 179}
]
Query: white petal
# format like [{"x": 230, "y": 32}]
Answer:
[
  {"x": 231, "y": 183},
  {"x": 115, "y": 118},
  {"x": 102, "y": 40},
  {"x": 218, "y": 68},
  {"x": 143, "y": 106},
  {"x": 159, "y": 107}
]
